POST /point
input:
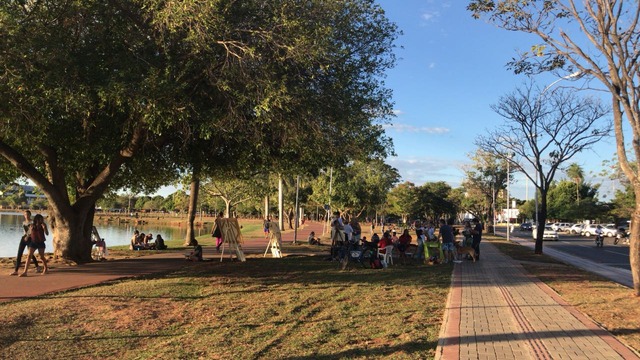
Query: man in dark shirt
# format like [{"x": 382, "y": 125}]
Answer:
[
  {"x": 476, "y": 234},
  {"x": 446, "y": 234}
]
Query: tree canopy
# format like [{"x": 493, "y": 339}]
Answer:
[{"x": 107, "y": 95}]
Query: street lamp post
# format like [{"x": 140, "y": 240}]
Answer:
[{"x": 508, "y": 201}]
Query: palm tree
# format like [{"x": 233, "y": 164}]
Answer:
[{"x": 575, "y": 173}]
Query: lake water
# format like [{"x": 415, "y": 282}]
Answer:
[{"x": 114, "y": 234}]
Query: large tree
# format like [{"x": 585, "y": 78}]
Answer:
[
  {"x": 403, "y": 201},
  {"x": 542, "y": 130},
  {"x": 436, "y": 200},
  {"x": 599, "y": 39},
  {"x": 562, "y": 199},
  {"x": 484, "y": 179},
  {"x": 360, "y": 187},
  {"x": 100, "y": 95}
]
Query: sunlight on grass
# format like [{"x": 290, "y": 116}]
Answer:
[{"x": 292, "y": 308}]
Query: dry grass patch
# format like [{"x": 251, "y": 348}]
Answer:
[
  {"x": 292, "y": 308},
  {"x": 611, "y": 305}
]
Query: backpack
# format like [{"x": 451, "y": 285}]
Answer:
[{"x": 376, "y": 263}]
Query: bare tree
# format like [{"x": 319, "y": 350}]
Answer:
[
  {"x": 600, "y": 39},
  {"x": 543, "y": 130}
]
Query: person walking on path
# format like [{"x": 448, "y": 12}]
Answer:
[
  {"x": 217, "y": 233},
  {"x": 37, "y": 234},
  {"x": 476, "y": 234},
  {"x": 24, "y": 242}
]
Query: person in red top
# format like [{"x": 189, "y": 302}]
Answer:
[
  {"x": 37, "y": 235},
  {"x": 404, "y": 241},
  {"x": 385, "y": 241}
]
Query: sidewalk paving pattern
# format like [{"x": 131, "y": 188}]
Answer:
[{"x": 496, "y": 311}]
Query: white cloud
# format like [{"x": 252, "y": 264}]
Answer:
[
  {"x": 420, "y": 170},
  {"x": 430, "y": 15},
  {"x": 432, "y": 65},
  {"x": 422, "y": 129},
  {"x": 397, "y": 112}
]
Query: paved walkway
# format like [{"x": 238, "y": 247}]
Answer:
[
  {"x": 496, "y": 311},
  {"x": 62, "y": 277}
]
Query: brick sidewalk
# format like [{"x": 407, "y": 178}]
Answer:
[{"x": 496, "y": 311}]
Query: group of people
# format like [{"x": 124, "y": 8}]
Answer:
[
  {"x": 142, "y": 241},
  {"x": 33, "y": 238},
  {"x": 426, "y": 233}
]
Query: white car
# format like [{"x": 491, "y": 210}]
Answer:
[
  {"x": 561, "y": 226},
  {"x": 576, "y": 228},
  {"x": 590, "y": 229},
  {"x": 549, "y": 234},
  {"x": 609, "y": 230}
]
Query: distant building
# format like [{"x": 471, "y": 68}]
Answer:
[{"x": 29, "y": 192}]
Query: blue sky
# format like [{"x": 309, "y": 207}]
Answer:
[{"x": 451, "y": 69}]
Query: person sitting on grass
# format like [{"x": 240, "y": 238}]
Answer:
[
  {"x": 135, "y": 241},
  {"x": 312, "y": 239},
  {"x": 196, "y": 254},
  {"x": 160, "y": 243}
]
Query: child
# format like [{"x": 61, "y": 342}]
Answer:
[{"x": 196, "y": 254}]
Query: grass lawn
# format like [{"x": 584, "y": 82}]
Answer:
[
  {"x": 609, "y": 304},
  {"x": 292, "y": 308}
]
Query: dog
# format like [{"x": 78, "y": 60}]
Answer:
[{"x": 461, "y": 250}]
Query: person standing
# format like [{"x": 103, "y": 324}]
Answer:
[
  {"x": 357, "y": 230},
  {"x": 24, "y": 242},
  {"x": 38, "y": 232},
  {"x": 420, "y": 238},
  {"x": 446, "y": 234},
  {"x": 348, "y": 231},
  {"x": 217, "y": 233},
  {"x": 476, "y": 234},
  {"x": 265, "y": 228}
]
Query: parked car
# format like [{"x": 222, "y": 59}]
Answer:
[
  {"x": 526, "y": 226},
  {"x": 610, "y": 230},
  {"x": 589, "y": 229},
  {"x": 549, "y": 234},
  {"x": 561, "y": 226},
  {"x": 576, "y": 228}
]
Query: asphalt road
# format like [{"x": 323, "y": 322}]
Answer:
[{"x": 609, "y": 255}]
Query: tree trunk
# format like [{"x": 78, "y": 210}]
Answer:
[
  {"x": 193, "y": 207},
  {"x": 227, "y": 208},
  {"x": 634, "y": 249},
  {"x": 72, "y": 234},
  {"x": 542, "y": 220}
]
